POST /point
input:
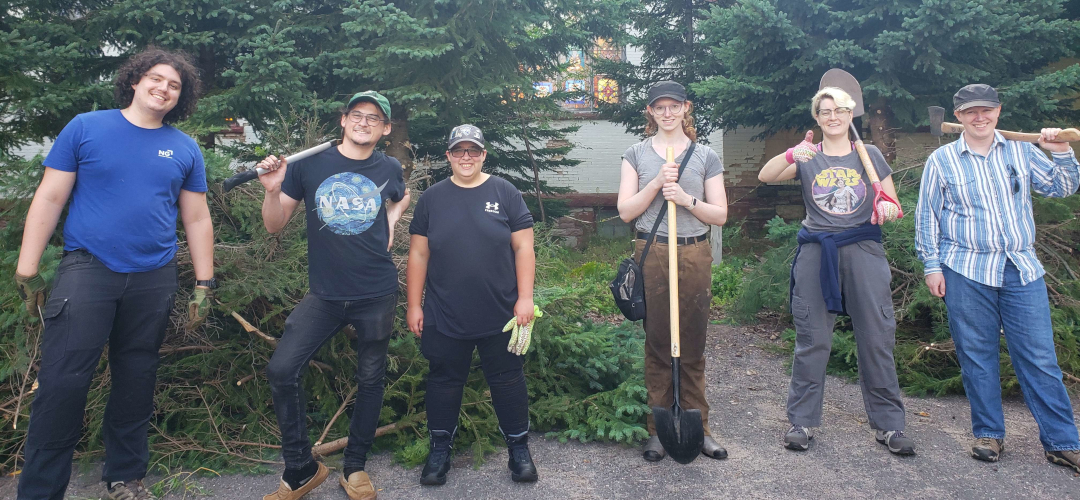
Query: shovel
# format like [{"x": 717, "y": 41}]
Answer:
[
  {"x": 939, "y": 126},
  {"x": 679, "y": 430},
  {"x": 843, "y": 80}
]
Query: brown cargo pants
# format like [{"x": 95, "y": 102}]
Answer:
[{"x": 695, "y": 295}]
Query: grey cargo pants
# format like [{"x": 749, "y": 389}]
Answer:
[{"x": 864, "y": 282}]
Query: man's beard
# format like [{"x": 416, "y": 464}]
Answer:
[{"x": 372, "y": 141}]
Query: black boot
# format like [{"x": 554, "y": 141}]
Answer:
[
  {"x": 522, "y": 468},
  {"x": 438, "y": 459}
]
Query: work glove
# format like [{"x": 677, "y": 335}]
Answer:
[
  {"x": 803, "y": 151},
  {"x": 32, "y": 291},
  {"x": 886, "y": 209},
  {"x": 522, "y": 336},
  {"x": 199, "y": 306}
]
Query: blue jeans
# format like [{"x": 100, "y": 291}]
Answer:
[
  {"x": 91, "y": 307},
  {"x": 977, "y": 314},
  {"x": 311, "y": 324}
]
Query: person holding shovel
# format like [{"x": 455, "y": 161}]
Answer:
[
  {"x": 840, "y": 267},
  {"x": 472, "y": 246},
  {"x": 354, "y": 195},
  {"x": 647, "y": 182},
  {"x": 975, "y": 233}
]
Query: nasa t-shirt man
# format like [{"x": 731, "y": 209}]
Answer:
[
  {"x": 837, "y": 194},
  {"x": 347, "y": 230}
]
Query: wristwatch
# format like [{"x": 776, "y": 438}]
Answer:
[
  {"x": 211, "y": 283},
  {"x": 693, "y": 203}
]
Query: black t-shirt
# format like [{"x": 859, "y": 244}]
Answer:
[
  {"x": 471, "y": 272},
  {"x": 347, "y": 229}
]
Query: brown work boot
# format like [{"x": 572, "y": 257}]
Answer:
[
  {"x": 988, "y": 449},
  {"x": 284, "y": 492},
  {"x": 128, "y": 490},
  {"x": 1066, "y": 458},
  {"x": 358, "y": 486}
]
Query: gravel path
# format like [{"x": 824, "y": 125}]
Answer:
[{"x": 747, "y": 389}]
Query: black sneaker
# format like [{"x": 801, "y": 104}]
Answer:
[
  {"x": 798, "y": 438},
  {"x": 438, "y": 460},
  {"x": 896, "y": 441},
  {"x": 522, "y": 468},
  {"x": 989, "y": 449},
  {"x": 1066, "y": 458}
]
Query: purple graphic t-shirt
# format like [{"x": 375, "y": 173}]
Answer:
[{"x": 836, "y": 192}]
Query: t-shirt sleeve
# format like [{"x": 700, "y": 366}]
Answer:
[
  {"x": 419, "y": 224},
  {"x": 713, "y": 165},
  {"x": 882, "y": 166},
  {"x": 631, "y": 156},
  {"x": 196, "y": 178},
  {"x": 293, "y": 185},
  {"x": 518, "y": 214},
  {"x": 64, "y": 155},
  {"x": 399, "y": 183}
]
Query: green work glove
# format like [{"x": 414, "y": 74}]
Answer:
[
  {"x": 32, "y": 291},
  {"x": 522, "y": 336},
  {"x": 199, "y": 306}
]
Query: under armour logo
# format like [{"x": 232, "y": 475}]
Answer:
[
  {"x": 165, "y": 154},
  {"x": 491, "y": 207}
]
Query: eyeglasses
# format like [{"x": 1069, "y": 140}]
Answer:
[
  {"x": 1014, "y": 178},
  {"x": 828, "y": 113},
  {"x": 365, "y": 119},
  {"x": 674, "y": 108},
  {"x": 460, "y": 152}
]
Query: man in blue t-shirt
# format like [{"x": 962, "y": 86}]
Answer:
[
  {"x": 128, "y": 174},
  {"x": 354, "y": 196}
]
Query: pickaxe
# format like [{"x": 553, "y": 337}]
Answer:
[{"x": 939, "y": 126}]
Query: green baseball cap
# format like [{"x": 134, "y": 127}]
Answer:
[{"x": 372, "y": 97}]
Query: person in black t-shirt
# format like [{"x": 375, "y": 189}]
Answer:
[
  {"x": 472, "y": 244},
  {"x": 353, "y": 196}
]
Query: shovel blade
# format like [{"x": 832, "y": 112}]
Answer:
[
  {"x": 680, "y": 431},
  {"x": 843, "y": 80}
]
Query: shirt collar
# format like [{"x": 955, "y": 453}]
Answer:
[{"x": 962, "y": 145}]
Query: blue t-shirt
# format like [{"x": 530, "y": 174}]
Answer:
[
  {"x": 127, "y": 185},
  {"x": 472, "y": 269}
]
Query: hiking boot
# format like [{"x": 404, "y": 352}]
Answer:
[
  {"x": 896, "y": 441},
  {"x": 989, "y": 449},
  {"x": 798, "y": 438},
  {"x": 284, "y": 492},
  {"x": 653, "y": 451},
  {"x": 358, "y": 486},
  {"x": 128, "y": 490},
  {"x": 710, "y": 448},
  {"x": 438, "y": 459},
  {"x": 1066, "y": 458},
  {"x": 522, "y": 468}
]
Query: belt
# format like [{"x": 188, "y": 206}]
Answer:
[{"x": 688, "y": 240}]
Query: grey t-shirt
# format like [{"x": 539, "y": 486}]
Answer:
[
  {"x": 837, "y": 194},
  {"x": 704, "y": 164}
]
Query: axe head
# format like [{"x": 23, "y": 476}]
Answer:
[{"x": 937, "y": 117}]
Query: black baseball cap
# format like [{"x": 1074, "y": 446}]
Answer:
[
  {"x": 465, "y": 132},
  {"x": 976, "y": 94},
  {"x": 667, "y": 88}
]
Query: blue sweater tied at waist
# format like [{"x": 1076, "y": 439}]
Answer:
[{"x": 829, "y": 274}]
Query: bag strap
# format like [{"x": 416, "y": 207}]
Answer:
[{"x": 663, "y": 209}]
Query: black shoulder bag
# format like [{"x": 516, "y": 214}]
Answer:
[{"x": 628, "y": 287}]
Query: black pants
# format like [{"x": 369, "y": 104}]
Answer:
[
  {"x": 312, "y": 324},
  {"x": 450, "y": 360},
  {"x": 91, "y": 306}
]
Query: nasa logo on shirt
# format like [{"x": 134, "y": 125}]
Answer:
[
  {"x": 491, "y": 208},
  {"x": 348, "y": 203}
]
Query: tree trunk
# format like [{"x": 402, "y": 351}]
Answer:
[
  {"x": 207, "y": 73},
  {"x": 397, "y": 142},
  {"x": 536, "y": 172},
  {"x": 881, "y": 131}
]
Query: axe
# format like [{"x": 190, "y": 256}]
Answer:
[
  {"x": 248, "y": 175},
  {"x": 939, "y": 126}
]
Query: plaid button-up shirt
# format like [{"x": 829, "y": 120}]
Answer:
[{"x": 974, "y": 211}]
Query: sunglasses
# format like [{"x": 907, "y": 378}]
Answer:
[{"x": 461, "y": 152}]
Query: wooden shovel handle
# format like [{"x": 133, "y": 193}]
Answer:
[
  {"x": 1066, "y": 135},
  {"x": 673, "y": 268},
  {"x": 868, "y": 165}
]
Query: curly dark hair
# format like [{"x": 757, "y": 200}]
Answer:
[{"x": 132, "y": 71}]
